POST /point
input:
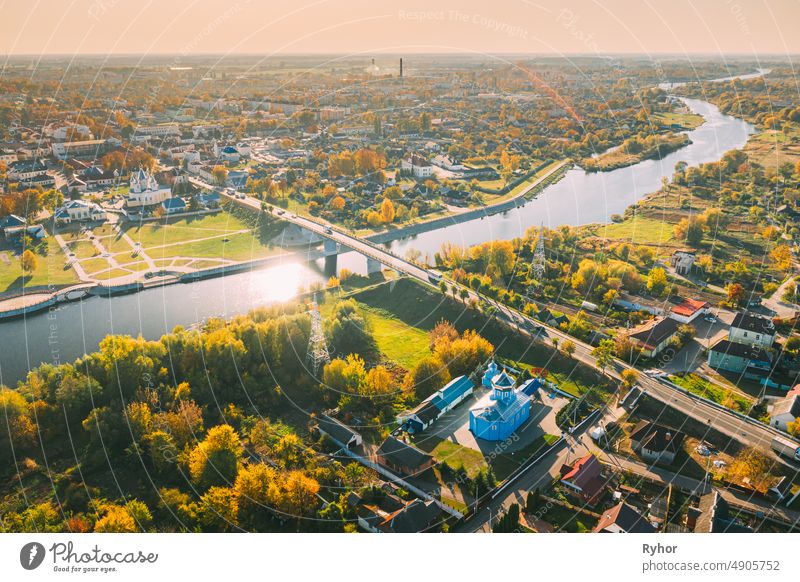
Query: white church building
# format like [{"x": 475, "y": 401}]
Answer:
[{"x": 145, "y": 191}]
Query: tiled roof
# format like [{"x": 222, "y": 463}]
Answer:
[
  {"x": 689, "y": 307},
  {"x": 626, "y": 517}
]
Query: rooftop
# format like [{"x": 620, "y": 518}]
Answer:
[{"x": 752, "y": 322}]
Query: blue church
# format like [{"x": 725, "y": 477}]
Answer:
[{"x": 501, "y": 412}]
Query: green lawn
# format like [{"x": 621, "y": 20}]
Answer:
[
  {"x": 458, "y": 457},
  {"x": 83, "y": 249},
  {"x": 685, "y": 120},
  {"x": 505, "y": 463},
  {"x": 167, "y": 231},
  {"x": 111, "y": 274},
  {"x": 638, "y": 230},
  {"x": 94, "y": 265},
  {"x": 718, "y": 394},
  {"x": 399, "y": 341},
  {"x": 235, "y": 247},
  {"x": 50, "y": 271}
]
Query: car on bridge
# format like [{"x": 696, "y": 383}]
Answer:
[{"x": 434, "y": 276}]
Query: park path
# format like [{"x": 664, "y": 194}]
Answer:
[
  {"x": 73, "y": 262},
  {"x": 138, "y": 249}
]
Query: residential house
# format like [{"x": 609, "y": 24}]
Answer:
[
  {"x": 390, "y": 514},
  {"x": 25, "y": 170},
  {"x": 447, "y": 163},
  {"x": 656, "y": 443},
  {"x": 633, "y": 303},
  {"x": 209, "y": 199},
  {"x": 738, "y": 358},
  {"x": 339, "y": 432},
  {"x": 751, "y": 329},
  {"x": 173, "y": 205},
  {"x": 784, "y": 411},
  {"x": 417, "y": 166},
  {"x": 689, "y": 310},
  {"x": 13, "y": 226},
  {"x": 79, "y": 211},
  {"x": 653, "y": 337},
  {"x": 227, "y": 153},
  {"x": 622, "y": 518},
  {"x": 401, "y": 457},
  {"x": 683, "y": 261},
  {"x": 713, "y": 516},
  {"x": 97, "y": 177},
  {"x": 585, "y": 478}
]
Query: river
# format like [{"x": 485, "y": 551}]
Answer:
[{"x": 72, "y": 329}]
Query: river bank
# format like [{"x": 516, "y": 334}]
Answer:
[{"x": 577, "y": 198}]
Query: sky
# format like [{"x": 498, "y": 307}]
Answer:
[{"x": 748, "y": 27}]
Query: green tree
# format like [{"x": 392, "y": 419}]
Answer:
[{"x": 604, "y": 354}]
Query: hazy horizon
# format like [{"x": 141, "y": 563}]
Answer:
[{"x": 354, "y": 27}]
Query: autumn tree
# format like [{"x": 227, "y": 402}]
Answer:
[
  {"x": 629, "y": 378},
  {"x": 567, "y": 347},
  {"x": 427, "y": 377},
  {"x": 220, "y": 174},
  {"x": 690, "y": 230},
  {"x": 751, "y": 466},
  {"x": 215, "y": 460},
  {"x": 28, "y": 262},
  {"x": 387, "y": 211},
  {"x": 735, "y": 294},
  {"x": 657, "y": 281}
]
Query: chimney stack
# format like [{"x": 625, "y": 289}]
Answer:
[{"x": 401, "y": 67}]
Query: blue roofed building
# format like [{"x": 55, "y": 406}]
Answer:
[
  {"x": 502, "y": 411},
  {"x": 174, "y": 205},
  {"x": 434, "y": 406}
]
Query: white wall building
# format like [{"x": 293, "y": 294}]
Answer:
[
  {"x": 752, "y": 330},
  {"x": 79, "y": 211},
  {"x": 145, "y": 191},
  {"x": 418, "y": 166}
]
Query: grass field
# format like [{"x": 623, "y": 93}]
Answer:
[
  {"x": 243, "y": 246},
  {"x": 458, "y": 457},
  {"x": 94, "y": 265},
  {"x": 168, "y": 231},
  {"x": 419, "y": 307},
  {"x": 638, "y": 230},
  {"x": 50, "y": 271},
  {"x": 684, "y": 120},
  {"x": 83, "y": 249},
  {"x": 706, "y": 389},
  {"x": 397, "y": 340},
  {"x": 504, "y": 464}
]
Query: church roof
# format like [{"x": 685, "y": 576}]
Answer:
[
  {"x": 499, "y": 410},
  {"x": 503, "y": 380}
]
